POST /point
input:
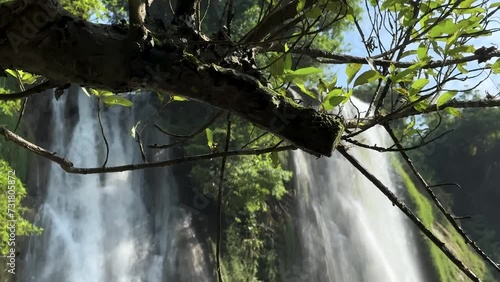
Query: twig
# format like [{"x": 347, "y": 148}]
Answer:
[
  {"x": 49, "y": 84},
  {"x": 221, "y": 189},
  {"x": 99, "y": 119},
  {"x": 391, "y": 149},
  {"x": 185, "y": 137},
  {"x": 69, "y": 167},
  {"x": 9, "y": 135},
  {"x": 440, "y": 206},
  {"x": 141, "y": 146},
  {"x": 395, "y": 200}
]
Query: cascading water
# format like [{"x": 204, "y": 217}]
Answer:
[
  {"x": 119, "y": 227},
  {"x": 349, "y": 230}
]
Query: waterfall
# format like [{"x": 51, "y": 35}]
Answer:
[
  {"x": 129, "y": 226},
  {"x": 117, "y": 227},
  {"x": 349, "y": 231}
]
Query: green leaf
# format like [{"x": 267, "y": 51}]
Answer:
[
  {"x": 351, "y": 71},
  {"x": 300, "y": 5},
  {"x": 452, "y": 40},
  {"x": 178, "y": 98},
  {"x": 300, "y": 84},
  {"x": 422, "y": 52},
  {"x": 417, "y": 85},
  {"x": 410, "y": 70},
  {"x": 445, "y": 97},
  {"x": 461, "y": 68},
  {"x": 210, "y": 138},
  {"x": 336, "y": 100},
  {"x": 496, "y": 4},
  {"x": 314, "y": 12},
  {"x": 409, "y": 126},
  {"x": 116, "y": 100},
  {"x": 496, "y": 67},
  {"x": 278, "y": 67},
  {"x": 333, "y": 99},
  {"x": 305, "y": 71},
  {"x": 11, "y": 72},
  {"x": 453, "y": 111},
  {"x": 367, "y": 77},
  {"x": 333, "y": 83}
]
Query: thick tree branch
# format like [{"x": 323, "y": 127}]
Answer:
[{"x": 66, "y": 48}]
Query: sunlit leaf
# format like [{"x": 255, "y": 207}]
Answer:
[
  {"x": 351, "y": 71},
  {"x": 445, "y": 97},
  {"x": 305, "y": 71},
  {"x": 495, "y": 68},
  {"x": 210, "y": 138},
  {"x": 367, "y": 77},
  {"x": 453, "y": 111},
  {"x": 178, "y": 98},
  {"x": 417, "y": 85},
  {"x": 116, "y": 100}
]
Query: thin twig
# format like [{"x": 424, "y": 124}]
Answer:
[
  {"x": 221, "y": 189},
  {"x": 397, "y": 202},
  {"x": 99, "y": 119},
  {"x": 185, "y": 137},
  {"x": 392, "y": 149},
  {"x": 69, "y": 167},
  {"x": 438, "y": 203}
]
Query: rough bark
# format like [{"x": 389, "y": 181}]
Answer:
[{"x": 40, "y": 37}]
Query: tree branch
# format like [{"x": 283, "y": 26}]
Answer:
[
  {"x": 440, "y": 206},
  {"x": 10, "y": 136},
  {"x": 30, "y": 92},
  {"x": 335, "y": 58},
  {"x": 69, "y": 167},
  {"x": 394, "y": 199},
  {"x": 71, "y": 49}
]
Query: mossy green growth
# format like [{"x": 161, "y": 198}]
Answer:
[{"x": 445, "y": 270}]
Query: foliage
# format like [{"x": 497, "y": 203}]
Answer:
[
  {"x": 10, "y": 205},
  {"x": 252, "y": 188}
]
